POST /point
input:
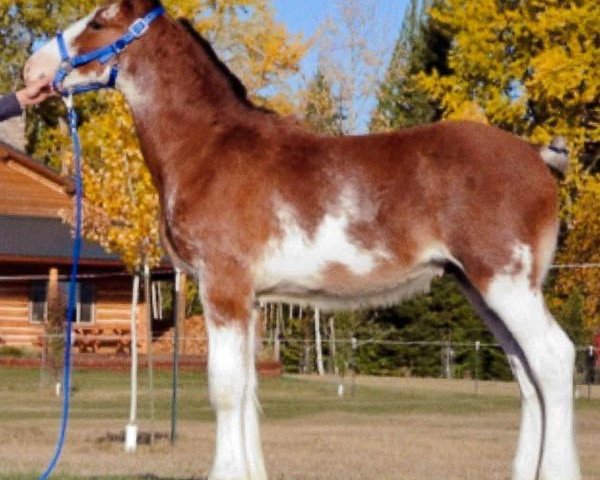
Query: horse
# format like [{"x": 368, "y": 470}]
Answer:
[{"x": 259, "y": 208}]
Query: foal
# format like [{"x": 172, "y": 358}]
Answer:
[{"x": 259, "y": 208}]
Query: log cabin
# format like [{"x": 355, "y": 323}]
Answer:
[{"x": 35, "y": 244}]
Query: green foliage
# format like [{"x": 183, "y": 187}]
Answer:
[
  {"x": 421, "y": 47},
  {"x": 443, "y": 316}
]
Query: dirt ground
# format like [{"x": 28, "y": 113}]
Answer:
[{"x": 421, "y": 444}]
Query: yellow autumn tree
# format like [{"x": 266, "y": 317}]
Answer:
[
  {"x": 122, "y": 205},
  {"x": 533, "y": 68}
]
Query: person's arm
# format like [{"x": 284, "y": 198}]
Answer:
[
  {"x": 9, "y": 107},
  {"x": 12, "y": 105}
]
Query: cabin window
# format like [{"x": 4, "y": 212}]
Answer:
[
  {"x": 85, "y": 312},
  {"x": 85, "y": 306},
  {"x": 85, "y": 301},
  {"x": 38, "y": 311}
]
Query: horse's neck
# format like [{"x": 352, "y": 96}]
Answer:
[{"x": 177, "y": 102}]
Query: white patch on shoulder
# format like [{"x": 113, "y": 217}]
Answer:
[{"x": 295, "y": 257}]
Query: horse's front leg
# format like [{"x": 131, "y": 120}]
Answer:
[{"x": 232, "y": 380}]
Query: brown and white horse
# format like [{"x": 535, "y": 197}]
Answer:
[{"x": 257, "y": 207}]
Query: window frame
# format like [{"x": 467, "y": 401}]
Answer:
[
  {"x": 32, "y": 302},
  {"x": 77, "y": 320}
]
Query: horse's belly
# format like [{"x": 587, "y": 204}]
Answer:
[{"x": 343, "y": 290}]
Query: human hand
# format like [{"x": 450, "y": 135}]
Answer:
[{"x": 36, "y": 92}]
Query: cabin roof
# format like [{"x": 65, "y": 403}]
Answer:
[
  {"x": 44, "y": 237},
  {"x": 7, "y": 151}
]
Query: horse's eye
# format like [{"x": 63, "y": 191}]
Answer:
[{"x": 95, "y": 25}]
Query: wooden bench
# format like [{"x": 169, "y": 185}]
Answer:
[{"x": 92, "y": 339}]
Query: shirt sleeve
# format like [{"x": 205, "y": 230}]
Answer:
[{"x": 9, "y": 107}]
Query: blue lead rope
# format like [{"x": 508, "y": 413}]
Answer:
[
  {"x": 136, "y": 30},
  {"x": 72, "y": 300}
]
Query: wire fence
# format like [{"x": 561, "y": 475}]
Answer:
[{"x": 477, "y": 361}]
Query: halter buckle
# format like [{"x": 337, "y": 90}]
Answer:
[{"x": 139, "y": 27}]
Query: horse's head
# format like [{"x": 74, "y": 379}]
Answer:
[{"x": 102, "y": 27}]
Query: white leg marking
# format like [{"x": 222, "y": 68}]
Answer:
[
  {"x": 526, "y": 461},
  {"x": 528, "y": 451},
  {"x": 254, "y": 455},
  {"x": 227, "y": 378},
  {"x": 549, "y": 357}
]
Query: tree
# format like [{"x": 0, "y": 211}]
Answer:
[
  {"x": 581, "y": 245},
  {"x": 354, "y": 42},
  {"x": 529, "y": 67},
  {"x": 322, "y": 111},
  {"x": 121, "y": 203},
  {"x": 420, "y": 48}
]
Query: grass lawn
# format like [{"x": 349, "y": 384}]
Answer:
[{"x": 390, "y": 428}]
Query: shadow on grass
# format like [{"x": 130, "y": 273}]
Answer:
[{"x": 143, "y": 438}]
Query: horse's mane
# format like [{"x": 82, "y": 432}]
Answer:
[{"x": 235, "y": 83}]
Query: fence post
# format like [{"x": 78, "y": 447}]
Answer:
[
  {"x": 477, "y": 349},
  {"x": 178, "y": 319},
  {"x": 318, "y": 345},
  {"x": 131, "y": 430},
  {"x": 447, "y": 360},
  {"x": 590, "y": 370},
  {"x": 277, "y": 332},
  {"x": 354, "y": 345},
  {"x": 149, "y": 339}
]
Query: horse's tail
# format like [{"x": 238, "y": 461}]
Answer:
[{"x": 556, "y": 155}]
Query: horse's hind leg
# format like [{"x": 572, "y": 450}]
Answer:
[
  {"x": 546, "y": 357},
  {"x": 527, "y": 459},
  {"x": 542, "y": 358}
]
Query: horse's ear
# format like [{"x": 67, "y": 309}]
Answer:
[{"x": 127, "y": 5}]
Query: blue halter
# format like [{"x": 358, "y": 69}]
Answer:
[{"x": 104, "y": 54}]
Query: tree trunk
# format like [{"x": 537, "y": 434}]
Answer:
[
  {"x": 52, "y": 341},
  {"x": 57, "y": 323}
]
